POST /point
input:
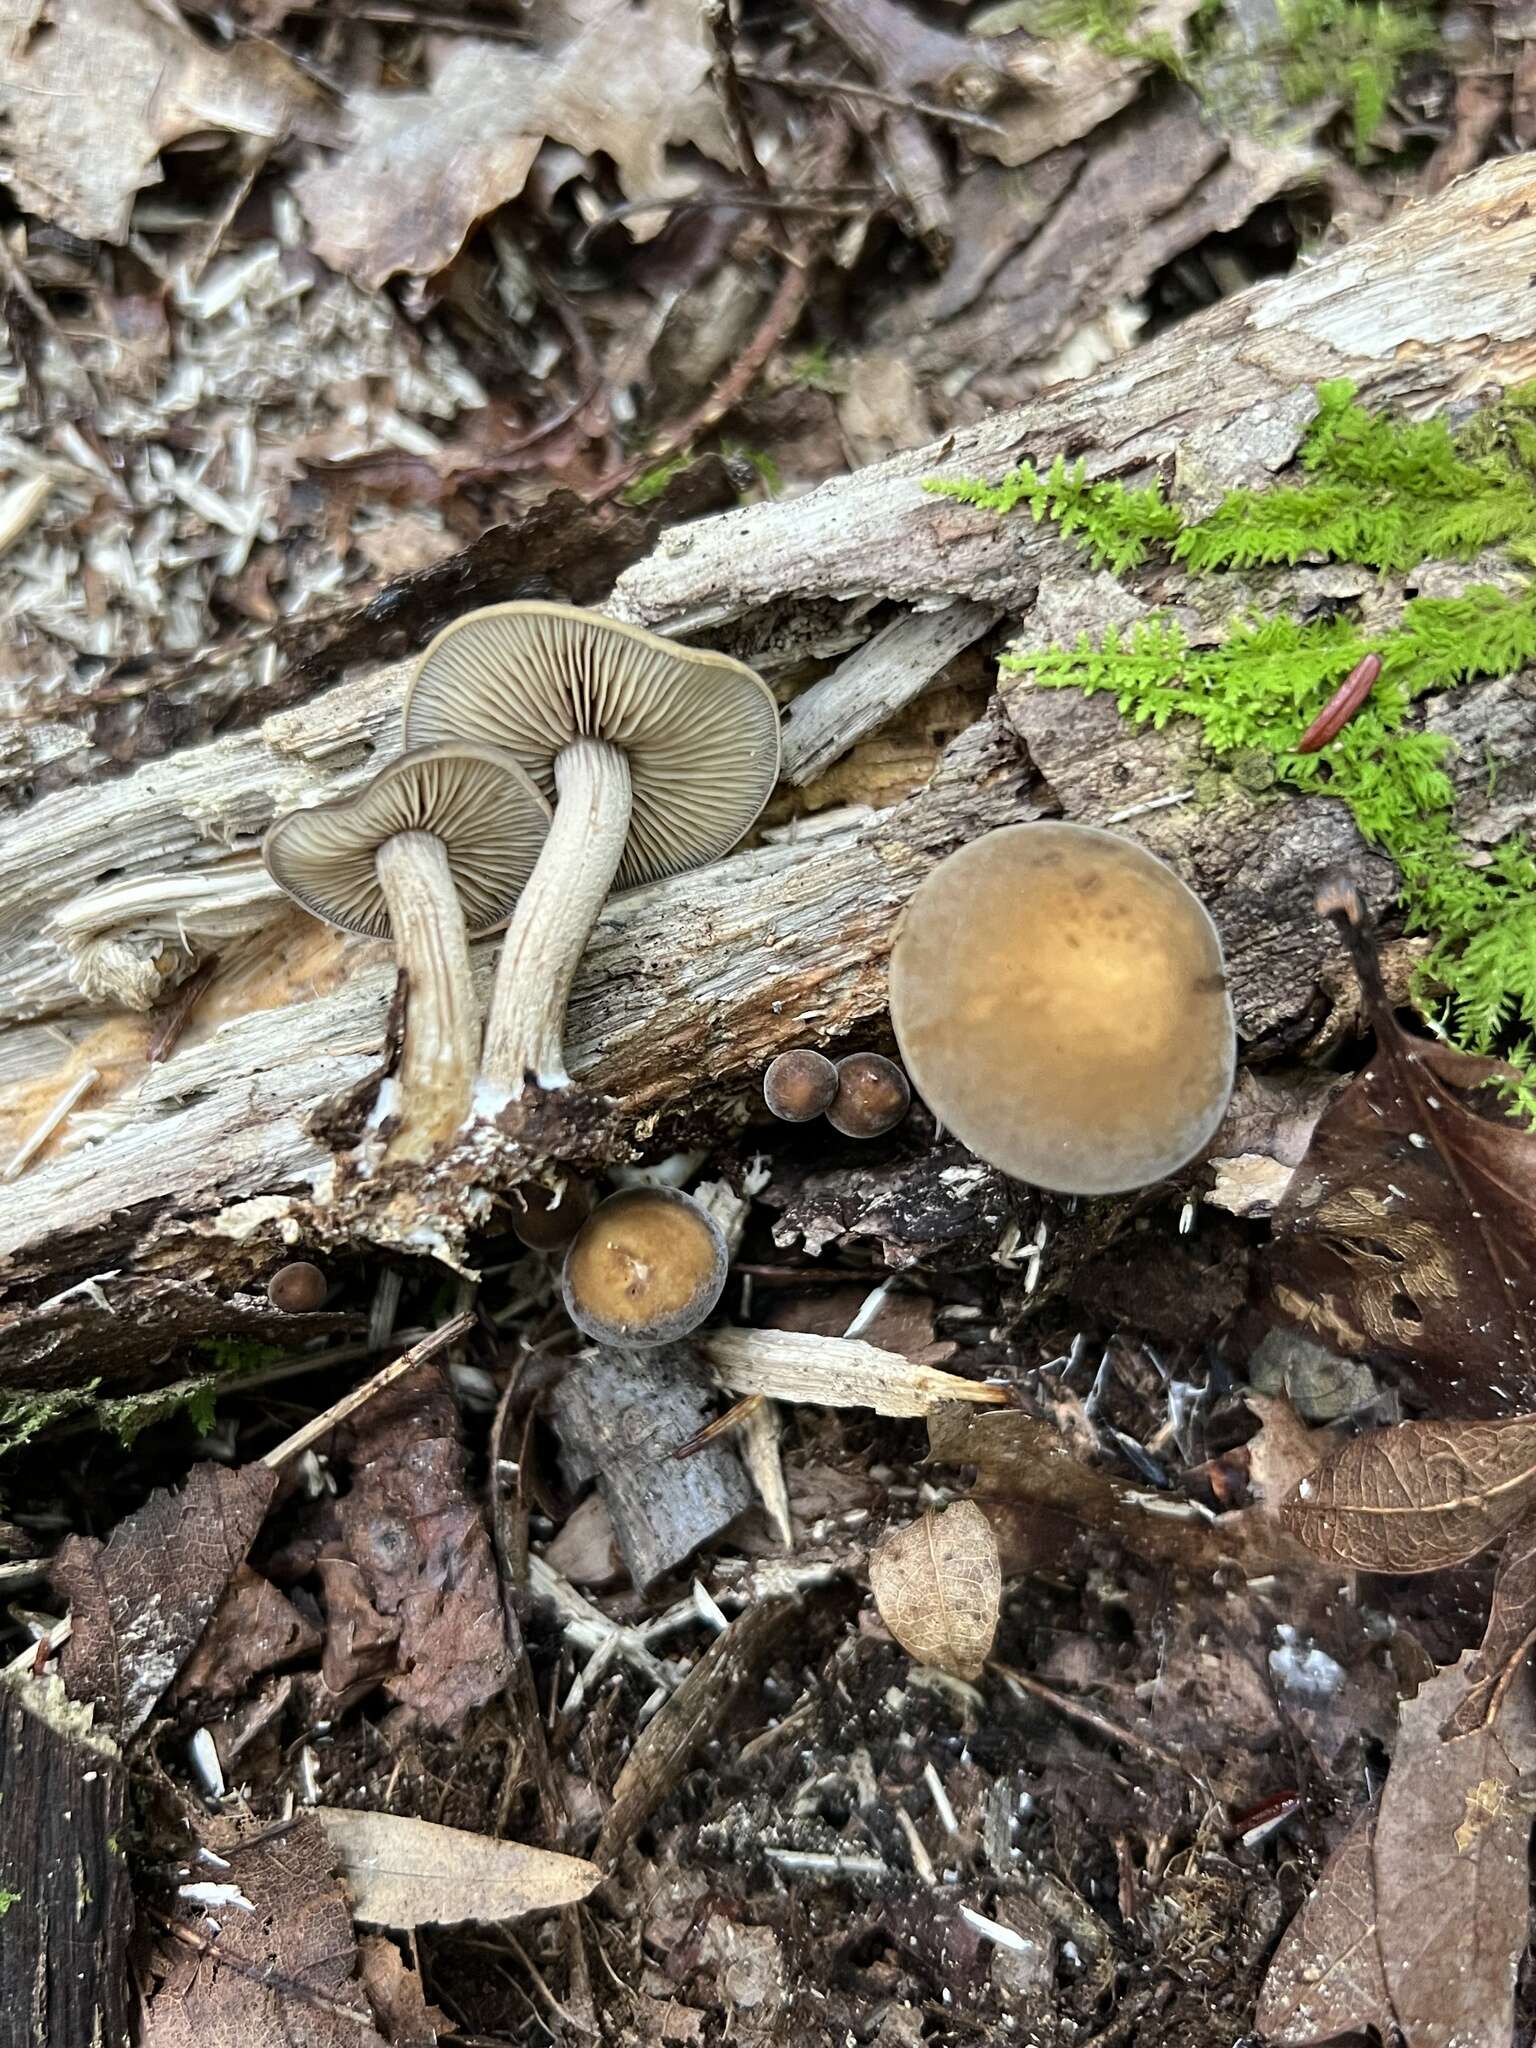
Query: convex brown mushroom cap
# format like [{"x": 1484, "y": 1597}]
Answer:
[
  {"x": 646, "y": 1267},
  {"x": 478, "y": 802},
  {"x": 872, "y": 1096},
  {"x": 661, "y": 756},
  {"x": 1060, "y": 1000},
  {"x": 799, "y": 1084},
  {"x": 435, "y": 848},
  {"x": 701, "y": 732}
]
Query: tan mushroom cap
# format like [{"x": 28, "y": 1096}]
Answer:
[
  {"x": 646, "y": 1267},
  {"x": 478, "y": 802},
  {"x": 701, "y": 731},
  {"x": 1060, "y": 1000}
]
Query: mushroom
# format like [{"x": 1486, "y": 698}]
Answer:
[
  {"x": 546, "y": 1219},
  {"x": 297, "y": 1288},
  {"x": 431, "y": 853},
  {"x": 646, "y": 1267},
  {"x": 799, "y": 1084},
  {"x": 1060, "y": 1000},
  {"x": 661, "y": 757},
  {"x": 872, "y": 1096}
]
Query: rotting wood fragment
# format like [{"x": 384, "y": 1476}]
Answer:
[
  {"x": 68, "y": 1908},
  {"x": 621, "y": 1415}
]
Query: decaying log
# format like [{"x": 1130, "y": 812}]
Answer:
[
  {"x": 202, "y": 1171},
  {"x": 621, "y": 1417},
  {"x": 63, "y": 1873}
]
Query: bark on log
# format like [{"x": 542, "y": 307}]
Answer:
[{"x": 200, "y": 1171}]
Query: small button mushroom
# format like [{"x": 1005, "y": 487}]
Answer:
[
  {"x": 431, "y": 853},
  {"x": 661, "y": 756},
  {"x": 646, "y": 1267},
  {"x": 872, "y": 1096},
  {"x": 546, "y": 1219},
  {"x": 298, "y": 1288},
  {"x": 799, "y": 1085},
  {"x": 1060, "y": 1000}
]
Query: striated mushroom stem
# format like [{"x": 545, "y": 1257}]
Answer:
[
  {"x": 524, "y": 1034},
  {"x": 437, "y": 1061}
]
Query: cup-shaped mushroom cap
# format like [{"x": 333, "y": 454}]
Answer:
[
  {"x": 701, "y": 731},
  {"x": 478, "y": 802},
  {"x": 1060, "y": 1000},
  {"x": 799, "y": 1084},
  {"x": 646, "y": 1267}
]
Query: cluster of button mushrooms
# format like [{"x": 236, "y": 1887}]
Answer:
[{"x": 1057, "y": 993}]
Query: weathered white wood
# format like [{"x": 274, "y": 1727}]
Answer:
[
  {"x": 690, "y": 987},
  {"x": 889, "y": 670}
]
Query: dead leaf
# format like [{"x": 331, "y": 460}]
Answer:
[
  {"x": 269, "y": 1954},
  {"x": 1326, "y": 1978},
  {"x": 254, "y": 1629},
  {"x": 91, "y": 93},
  {"x": 631, "y": 80},
  {"x": 394, "y": 1990},
  {"x": 1416, "y": 1497},
  {"x": 1451, "y": 1868},
  {"x": 425, "y": 1574},
  {"x": 412, "y": 1873},
  {"x": 141, "y": 1600},
  {"x": 835, "y": 1372},
  {"x": 1410, "y": 1225},
  {"x": 938, "y": 1584},
  {"x": 1508, "y": 1637}
]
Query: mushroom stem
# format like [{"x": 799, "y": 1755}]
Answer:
[
  {"x": 524, "y": 1034},
  {"x": 437, "y": 1061}
]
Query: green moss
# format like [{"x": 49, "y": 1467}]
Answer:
[
  {"x": 8, "y": 1898},
  {"x": 649, "y": 485},
  {"x": 23, "y": 1416},
  {"x": 1387, "y": 494},
  {"x": 1342, "y": 47}
]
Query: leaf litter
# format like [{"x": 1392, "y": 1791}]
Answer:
[{"x": 239, "y": 475}]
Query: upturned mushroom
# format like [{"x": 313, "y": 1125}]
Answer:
[
  {"x": 1060, "y": 1001},
  {"x": 431, "y": 853},
  {"x": 646, "y": 1267},
  {"x": 660, "y": 757}
]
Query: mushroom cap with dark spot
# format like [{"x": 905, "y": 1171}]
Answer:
[
  {"x": 799, "y": 1084},
  {"x": 701, "y": 732},
  {"x": 646, "y": 1267},
  {"x": 872, "y": 1096},
  {"x": 1060, "y": 1000},
  {"x": 477, "y": 801}
]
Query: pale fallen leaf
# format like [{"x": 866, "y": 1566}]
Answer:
[
  {"x": 1418, "y": 1496},
  {"x": 939, "y": 1585},
  {"x": 628, "y": 77},
  {"x": 834, "y": 1372},
  {"x": 1326, "y": 1978},
  {"x": 1451, "y": 1868},
  {"x": 413, "y": 1873},
  {"x": 92, "y": 90}
]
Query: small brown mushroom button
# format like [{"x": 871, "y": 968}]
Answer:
[
  {"x": 298, "y": 1288},
  {"x": 799, "y": 1085},
  {"x": 431, "y": 853},
  {"x": 1060, "y": 1000},
  {"x": 660, "y": 756},
  {"x": 872, "y": 1096},
  {"x": 646, "y": 1267}
]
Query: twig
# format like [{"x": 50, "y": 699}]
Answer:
[
  {"x": 727, "y": 83},
  {"x": 1090, "y": 1717},
  {"x": 322, "y": 1425},
  {"x": 855, "y": 200},
  {"x": 167, "y": 1033},
  {"x": 814, "y": 83},
  {"x": 50, "y": 1121}
]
